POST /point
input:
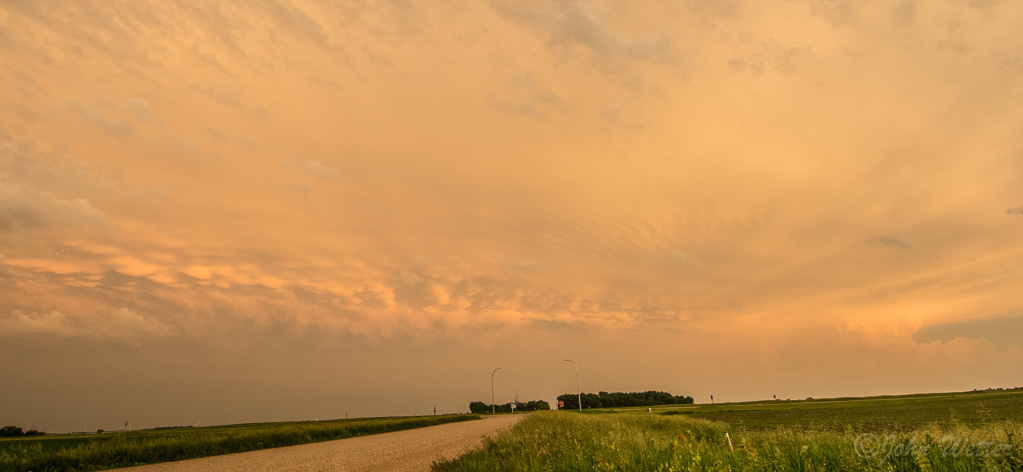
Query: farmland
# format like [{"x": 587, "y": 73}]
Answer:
[
  {"x": 957, "y": 431},
  {"x": 88, "y": 452}
]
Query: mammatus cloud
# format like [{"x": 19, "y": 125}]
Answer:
[
  {"x": 666, "y": 214},
  {"x": 316, "y": 169},
  {"x": 893, "y": 240}
]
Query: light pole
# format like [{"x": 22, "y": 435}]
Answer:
[
  {"x": 493, "y": 408},
  {"x": 578, "y": 391}
]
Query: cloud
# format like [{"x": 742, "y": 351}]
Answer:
[
  {"x": 713, "y": 10},
  {"x": 289, "y": 18},
  {"x": 17, "y": 323},
  {"x": 140, "y": 108},
  {"x": 837, "y": 12},
  {"x": 686, "y": 258},
  {"x": 527, "y": 97},
  {"x": 904, "y": 12},
  {"x": 614, "y": 115},
  {"x": 314, "y": 168},
  {"x": 1014, "y": 211},
  {"x": 247, "y": 141},
  {"x": 122, "y": 323},
  {"x": 40, "y": 190},
  {"x": 214, "y": 61},
  {"x": 25, "y": 208},
  {"x": 714, "y": 210},
  {"x": 1003, "y": 332},
  {"x": 772, "y": 55},
  {"x": 518, "y": 264},
  {"x": 93, "y": 114},
  {"x": 25, "y": 111},
  {"x": 521, "y": 108},
  {"x": 215, "y": 133},
  {"x": 183, "y": 143},
  {"x": 227, "y": 97},
  {"x": 980, "y": 4},
  {"x": 571, "y": 24},
  {"x": 893, "y": 240}
]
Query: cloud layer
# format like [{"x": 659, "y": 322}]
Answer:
[{"x": 400, "y": 183}]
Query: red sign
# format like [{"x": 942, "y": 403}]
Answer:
[{"x": 561, "y": 403}]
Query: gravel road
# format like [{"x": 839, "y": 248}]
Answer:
[{"x": 409, "y": 450}]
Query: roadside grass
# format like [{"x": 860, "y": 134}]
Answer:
[
  {"x": 125, "y": 449},
  {"x": 920, "y": 432}
]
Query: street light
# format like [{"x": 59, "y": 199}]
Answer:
[
  {"x": 493, "y": 409},
  {"x": 580, "y": 392}
]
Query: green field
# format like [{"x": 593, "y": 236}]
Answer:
[
  {"x": 954, "y": 432},
  {"x": 87, "y": 452},
  {"x": 887, "y": 413}
]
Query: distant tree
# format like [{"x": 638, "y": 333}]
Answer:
[
  {"x": 535, "y": 405},
  {"x": 620, "y": 399},
  {"x": 34, "y": 432},
  {"x": 10, "y": 431},
  {"x": 532, "y": 405}
]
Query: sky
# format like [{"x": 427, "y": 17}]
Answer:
[{"x": 222, "y": 212}]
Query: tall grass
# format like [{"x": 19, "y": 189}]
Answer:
[
  {"x": 113, "y": 450},
  {"x": 563, "y": 441}
]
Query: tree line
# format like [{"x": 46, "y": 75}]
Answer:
[
  {"x": 13, "y": 431},
  {"x": 532, "y": 405},
  {"x": 622, "y": 399}
]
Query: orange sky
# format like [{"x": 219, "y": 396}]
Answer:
[{"x": 249, "y": 211}]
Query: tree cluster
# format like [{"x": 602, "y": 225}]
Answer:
[
  {"x": 622, "y": 399},
  {"x": 12, "y": 431},
  {"x": 532, "y": 405}
]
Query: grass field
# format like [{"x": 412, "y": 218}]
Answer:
[
  {"x": 953, "y": 432},
  {"x": 888, "y": 413},
  {"x": 123, "y": 449}
]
